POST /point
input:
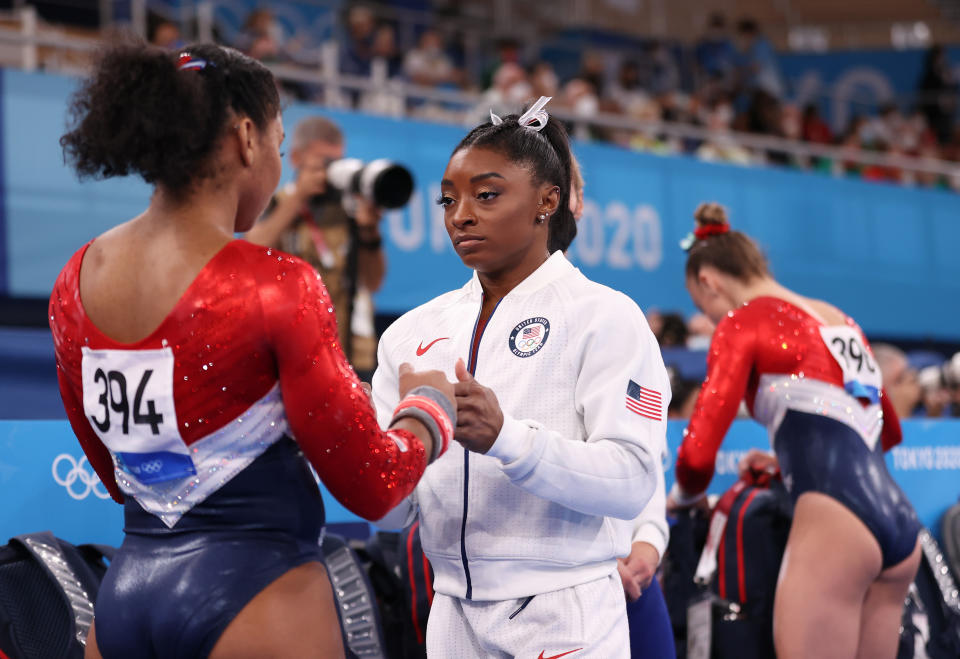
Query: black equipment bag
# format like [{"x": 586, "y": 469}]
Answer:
[
  {"x": 727, "y": 599},
  {"x": 47, "y": 591},
  {"x": 355, "y": 599},
  {"x": 931, "y": 619},
  {"x": 403, "y": 580}
]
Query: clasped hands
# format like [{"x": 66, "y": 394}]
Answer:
[{"x": 479, "y": 417}]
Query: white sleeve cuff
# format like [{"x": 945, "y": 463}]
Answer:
[
  {"x": 512, "y": 442},
  {"x": 652, "y": 535}
]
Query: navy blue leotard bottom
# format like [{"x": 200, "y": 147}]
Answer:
[
  {"x": 820, "y": 454},
  {"x": 170, "y": 592}
]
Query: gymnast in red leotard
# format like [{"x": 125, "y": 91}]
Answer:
[
  {"x": 202, "y": 374},
  {"x": 807, "y": 373}
]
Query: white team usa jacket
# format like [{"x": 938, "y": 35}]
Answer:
[{"x": 584, "y": 393}]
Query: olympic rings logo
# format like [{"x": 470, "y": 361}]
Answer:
[
  {"x": 89, "y": 482},
  {"x": 152, "y": 467},
  {"x": 528, "y": 344}
]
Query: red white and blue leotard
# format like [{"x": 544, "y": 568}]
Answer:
[
  {"x": 191, "y": 428},
  {"x": 817, "y": 390},
  {"x": 255, "y": 355}
]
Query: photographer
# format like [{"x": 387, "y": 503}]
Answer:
[{"x": 307, "y": 218}]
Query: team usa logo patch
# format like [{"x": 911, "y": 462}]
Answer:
[{"x": 528, "y": 337}]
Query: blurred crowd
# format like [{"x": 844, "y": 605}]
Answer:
[{"x": 725, "y": 81}]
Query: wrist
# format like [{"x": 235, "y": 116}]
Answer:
[
  {"x": 683, "y": 498},
  {"x": 435, "y": 411}
]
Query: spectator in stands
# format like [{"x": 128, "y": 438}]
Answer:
[
  {"x": 262, "y": 37},
  {"x": 938, "y": 90},
  {"x": 720, "y": 145},
  {"x": 507, "y": 52},
  {"x": 593, "y": 70},
  {"x": 163, "y": 32},
  {"x": 899, "y": 378},
  {"x": 544, "y": 80},
  {"x": 715, "y": 55},
  {"x": 427, "y": 63},
  {"x": 814, "y": 128},
  {"x": 510, "y": 90},
  {"x": 685, "y": 394},
  {"x": 356, "y": 52},
  {"x": 384, "y": 48},
  {"x": 673, "y": 331},
  {"x": 626, "y": 91},
  {"x": 758, "y": 69},
  {"x": 658, "y": 71},
  {"x": 308, "y": 219},
  {"x": 648, "y": 139}
]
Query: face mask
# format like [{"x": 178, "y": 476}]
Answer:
[
  {"x": 586, "y": 105},
  {"x": 518, "y": 92}
]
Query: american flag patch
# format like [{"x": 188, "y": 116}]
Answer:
[
  {"x": 531, "y": 332},
  {"x": 644, "y": 401}
]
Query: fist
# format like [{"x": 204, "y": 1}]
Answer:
[
  {"x": 411, "y": 379},
  {"x": 479, "y": 417}
]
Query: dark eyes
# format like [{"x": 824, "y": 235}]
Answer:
[{"x": 486, "y": 195}]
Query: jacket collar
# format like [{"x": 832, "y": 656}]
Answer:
[{"x": 555, "y": 267}]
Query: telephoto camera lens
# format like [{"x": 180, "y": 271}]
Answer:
[{"x": 384, "y": 182}]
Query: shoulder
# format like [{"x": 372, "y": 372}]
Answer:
[
  {"x": 70, "y": 274},
  {"x": 591, "y": 303},
  {"x": 269, "y": 262},
  {"x": 282, "y": 282},
  {"x": 64, "y": 305}
]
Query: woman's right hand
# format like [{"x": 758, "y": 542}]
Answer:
[
  {"x": 411, "y": 379},
  {"x": 757, "y": 464}
]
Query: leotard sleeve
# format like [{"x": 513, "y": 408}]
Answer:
[
  {"x": 729, "y": 364},
  {"x": 367, "y": 469}
]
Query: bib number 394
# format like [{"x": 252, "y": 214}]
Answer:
[
  {"x": 861, "y": 374},
  {"x": 128, "y": 398}
]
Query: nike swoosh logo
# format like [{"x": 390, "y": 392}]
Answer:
[
  {"x": 557, "y": 656},
  {"x": 421, "y": 350}
]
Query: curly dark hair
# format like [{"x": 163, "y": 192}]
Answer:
[
  {"x": 546, "y": 153},
  {"x": 140, "y": 113}
]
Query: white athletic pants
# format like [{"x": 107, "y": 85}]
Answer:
[{"x": 589, "y": 620}]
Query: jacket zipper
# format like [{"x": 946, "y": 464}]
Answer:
[{"x": 472, "y": 367}]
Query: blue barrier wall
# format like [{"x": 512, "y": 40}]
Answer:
[
  {"x": 48, "y": 484},
  {"x": 884, "y": 254}
]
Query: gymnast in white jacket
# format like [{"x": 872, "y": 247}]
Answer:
[{"x": 561, "y": 413}]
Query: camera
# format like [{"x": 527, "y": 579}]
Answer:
[
  {"x": 383, "y": 182},
  {"x": 945, "y": 375}
]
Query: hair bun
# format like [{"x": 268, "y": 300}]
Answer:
[{"x": 710, "y": 212}]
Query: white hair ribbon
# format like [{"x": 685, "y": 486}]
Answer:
[{"x": 536, "y": 117}]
